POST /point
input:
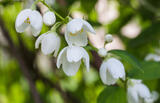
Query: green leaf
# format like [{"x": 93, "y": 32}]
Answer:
[
  {"x": 127, "y": 58},
  {"x": 151, "y": 71},
  {"x": 112, "y": 95}
]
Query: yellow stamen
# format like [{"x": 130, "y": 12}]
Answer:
[
  {"x": 27, "y": 21},
  {"x": 74, "y": 34}
]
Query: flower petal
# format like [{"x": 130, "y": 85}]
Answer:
[
  {"x": 88, "y": 27},
  {"x": 106, "y": 77},
  {"x": 36, "y": 22},
  {"x": 39, "y": 40},
  {"x": 49, "y": 43},
  {"x": 57, "y": 47},
  {"x": 70, "y": 68},
  {"x": 20, "y": 25},
  {"x": 86, "y": 59},
  {"x": 61, "y": 56},
  {"x": 116, "y": 68},
  {"x": 80, "y": 39},
  {"x": 143, "y": 91},
  {"x": 132, "y": 95},
  {"x": 74, "y": 53},
  {"x": 74, "y": 26}
]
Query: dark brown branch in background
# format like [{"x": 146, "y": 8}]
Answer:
[
  {"x": 22, "y": 64},
  {"x": 31, "y": 72},
  {"x": 97, "y": 60}
]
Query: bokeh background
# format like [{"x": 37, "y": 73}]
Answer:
[{"x": 134, "y": 24}]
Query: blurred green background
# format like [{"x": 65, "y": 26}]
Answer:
[{"x": 135, "y": 25}]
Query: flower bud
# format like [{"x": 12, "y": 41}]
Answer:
[
  {"x": 102, "y": 52},
  {"x": 49, "y": 18},
  {"x": 108, "y": 38}
]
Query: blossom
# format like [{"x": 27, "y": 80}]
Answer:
[
  {"x": 102, "y": 52},
  {"x": 50, "y": 42},
  {"x": 76, "y": 32},
  {"x": 70, "y": 57},
  {"x": 49, "y": 18},
  {"x": 139, "y": 93},
  {"x": 30, "y": 18},
  {"x": 111, "y": 70}
]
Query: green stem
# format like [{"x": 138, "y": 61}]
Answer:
[{"x": 58, "y": 15}]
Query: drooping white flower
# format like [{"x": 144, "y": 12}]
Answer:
[
  {"x": 139, "y": 93},
  {"x": 154, "y": 57},
  {"x": 76, "y": 32},
  {"x": 108, "y": 38},
  {"x": 111, "y": 70},
  {"x": 50, "y": 42},
  {"x": 49, "y": 18},
  {"x": 102, "y": 52},
  {"x": 30, "y": 18},
  {"x": 70, "y": 57}
]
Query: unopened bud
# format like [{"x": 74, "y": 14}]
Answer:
[
  {"x": 49, "y": 18},
  {"x": 102, "y": 52},
  {"x": 108, "y": 38}
]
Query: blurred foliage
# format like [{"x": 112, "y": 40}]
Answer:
[{"x": 86, "y": 87}]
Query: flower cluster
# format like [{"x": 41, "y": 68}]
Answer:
[
  {"x": 111, "y": 70},
  {"x": 71, "y": 56},
  {"x": 50, "y": 41},
  {"x": 76, "y": 36}
]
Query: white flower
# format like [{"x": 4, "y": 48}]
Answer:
[
  {"x": 102, "y": 52},
  {"x": 111, "y": 70},
  {"x": 50, "y": 42},
  {"x": 30, "y": 18},
  {"x": 108, "y": 38},
  {"x": 138, "y": 92},
  {"x": 154, "y": 57},
  {"x": 70, "y": 57},
  {"x": 76, "y": 32},
  {"x": 49, "y": 18}
]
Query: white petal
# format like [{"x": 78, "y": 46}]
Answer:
[
  {"x": 49, "y": 43},
  {"x": 22, "y": 16},
  {"x": 88, "y": 27},
  {"x": 86, "y": 59},
  {"x": 49, "y": 18},
  {"x": 143, "y": 91},
  {"x": 39, "y": 40},
  {"x": 74, "y": 26},
  {"x": 61, "y": 56},
  {"x": 36, "y": 22},
  {"x": 105, "y": 75},
  {"x": 80, "y": 39},
  {"x": 132, "y": 95},
  {"x": 74, "y": 53},
  {"x": 70, "y": 68},
  {"x": 57, "y": 47},
  {"x": 116, "y": 68},
  {"x": 155, "y": 95}
]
